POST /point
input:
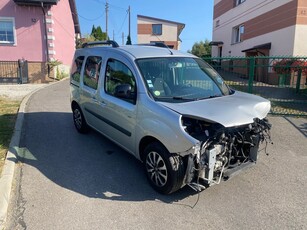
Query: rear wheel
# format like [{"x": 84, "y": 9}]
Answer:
[
  {"x": 79, "y": 120},
  {"x": 165, "y": 171}
]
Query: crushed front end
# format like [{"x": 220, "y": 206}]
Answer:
[{"x": 222, "y": 152}]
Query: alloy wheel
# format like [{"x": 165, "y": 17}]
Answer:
[
  {"x": 156, "y": 169},
  {"x": 78, "y": 118}
]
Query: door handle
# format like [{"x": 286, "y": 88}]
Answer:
[{"x": 102, "y": 103}]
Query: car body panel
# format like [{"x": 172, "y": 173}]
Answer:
[
  {"x": 231, "y": 110},
  {"x": 154, "y": 121}
]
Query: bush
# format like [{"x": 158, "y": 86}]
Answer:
[
  {"x": 283, "y": 66},
  {"x": 300, "y": 64}
]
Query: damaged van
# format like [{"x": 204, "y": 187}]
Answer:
[{"x": 171, "y": 110}]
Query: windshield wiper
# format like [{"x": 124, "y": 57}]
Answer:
[
  {"x": 212, "y": 96},
  {"x": 183, "y": 98}
]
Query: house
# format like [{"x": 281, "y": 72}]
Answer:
[
  {"x": 39, "y": 32},
  {"x": 151, "y": 30},
  {"x": 259, "y": 27}
]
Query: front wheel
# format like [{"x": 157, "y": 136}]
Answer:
[
  {"x": 165, "y": 171},
  {"x": 79, "y": 120}
]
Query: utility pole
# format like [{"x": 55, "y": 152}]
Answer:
[
  {"x": 107, "y": 10},
  {"x": 129, "y": 21}
]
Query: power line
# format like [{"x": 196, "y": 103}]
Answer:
[
  {"x": 106, "y": 13},
  {"x": 88, "y": 19},
  {"x": 116, "y": 7},
  {"x": 63, "y": 27},
  {"x": 122, "y": 24}
]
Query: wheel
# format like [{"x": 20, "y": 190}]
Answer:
[
  {"x": 79, "y": 120},
  {"x": 165, "y": 171}
]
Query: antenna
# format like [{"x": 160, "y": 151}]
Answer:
[{"x": 161, "y": 42}]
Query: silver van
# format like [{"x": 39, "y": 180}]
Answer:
[{"x": 169, "y": 109}]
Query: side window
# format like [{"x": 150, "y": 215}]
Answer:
[
  {"x": 76, "y": 69},
  {"x": 157, "y": 29},
  {"x": 238, "y": 2},
  {"x": 91, "y": 71},
  {"x": 7, "y": 31},
  {"x": 119, "y": 81},
  {"x": 237, "y": 34}
]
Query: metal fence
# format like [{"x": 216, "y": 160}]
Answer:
[
  {"x": 14, "y": 71},
  {"x": 282, "y": 80}
]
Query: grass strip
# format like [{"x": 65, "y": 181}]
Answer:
[{"x": 8, "y": 115}]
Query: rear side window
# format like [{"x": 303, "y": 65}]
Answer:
[
  {"x": 76, "y": 70},
  {"x": 91, "y": 71}
]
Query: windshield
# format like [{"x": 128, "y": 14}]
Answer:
[{"x": 178, "y": 79}]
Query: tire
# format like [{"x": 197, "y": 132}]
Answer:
[
  {"x": 165, "y": 171},
  {"x": 79, "y": 120}
]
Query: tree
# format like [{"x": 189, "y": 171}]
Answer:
[
  {"x": 98, "y": 34},
  {"x": 128, "y": 41},
  {"x": 85, "y": 39},
  {"x": 93, "y": 30},
  {"x": 201, "y": 49}
]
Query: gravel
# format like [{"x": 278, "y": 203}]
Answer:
[{"x": 18, "y": 92}]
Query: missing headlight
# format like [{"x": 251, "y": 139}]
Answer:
[{"x": 200, "y": 129}]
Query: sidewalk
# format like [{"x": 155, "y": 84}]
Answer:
[{"x": 19, "y": 93}]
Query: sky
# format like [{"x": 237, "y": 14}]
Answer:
[{"x": 197, "y": 15}]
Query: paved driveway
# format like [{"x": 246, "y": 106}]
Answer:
[{"x": 71, "y": 181}]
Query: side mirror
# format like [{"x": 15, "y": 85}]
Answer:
[{"x": 124, "y": 91}]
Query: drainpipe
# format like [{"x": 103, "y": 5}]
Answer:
[{"x": 46, "y": 36}]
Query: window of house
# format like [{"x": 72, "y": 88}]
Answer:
[
  {"x": 91, "y": 71},
  {"x": 119, "y": 81},
  {"x": 238, "y": 32},
  {"x": 7, "y": 30},
  {"x": 157, "y": 29},
  {"x": 238, "y": 2},
  {"x": 217, "y": 23}
]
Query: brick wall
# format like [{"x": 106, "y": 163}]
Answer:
[{"x": 38, "y": 73}]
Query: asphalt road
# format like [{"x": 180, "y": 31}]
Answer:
[{"x": 66, "y": 180}]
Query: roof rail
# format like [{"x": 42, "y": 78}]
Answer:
[
  {"x": 99, "y": 43},
  {"x": 158, "y": 44}
]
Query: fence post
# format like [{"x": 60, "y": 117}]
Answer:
[
  {"x": 252, "y": 63},
  {"x": 25, "y": 74},
  {"x": 298, "y": 80},
  {"x": 20, "y": 64}
]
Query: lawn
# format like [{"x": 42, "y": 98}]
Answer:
[{"x": 8, "y": 115}]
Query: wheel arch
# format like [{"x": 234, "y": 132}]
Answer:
[
  {"x": 146, "y": 141},
  {"x": 74, "y": 104}
]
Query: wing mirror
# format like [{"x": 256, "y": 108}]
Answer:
[{"x": 124, "y": 91}]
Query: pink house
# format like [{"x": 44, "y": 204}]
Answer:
[{"x": 38, "y": 31}]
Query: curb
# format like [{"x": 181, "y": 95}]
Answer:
[{"x": 7, "y": 175}]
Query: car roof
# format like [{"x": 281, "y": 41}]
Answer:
[
  {"x": 139, "y": 51},
  {"x": 135, "y": 51}
]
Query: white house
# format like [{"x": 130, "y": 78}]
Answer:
[
  {"x": 259, "y": 27},
  {"x": 159, "y": 30}
]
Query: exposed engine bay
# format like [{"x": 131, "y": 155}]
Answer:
[{"x": 223, "y": 152}]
